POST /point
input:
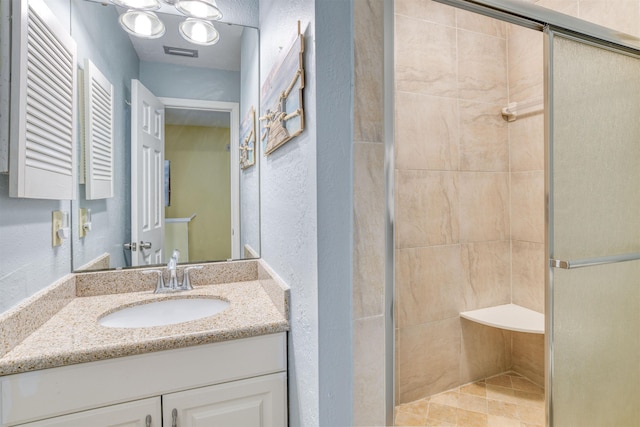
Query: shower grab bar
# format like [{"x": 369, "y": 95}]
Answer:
[
  {"x": 510, "y": 112},
  {"x": 588, "y": 262}
]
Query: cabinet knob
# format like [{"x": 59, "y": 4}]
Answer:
[
  {"x": 147, "y": 421},
  {"x": 174, "y": 418}
]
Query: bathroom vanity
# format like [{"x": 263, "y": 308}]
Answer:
[
  {"x": 239, "y": 382},
  {"x": 226, "y": 369}
]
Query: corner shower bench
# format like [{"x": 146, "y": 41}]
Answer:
[{"x": 508, "y": 316}]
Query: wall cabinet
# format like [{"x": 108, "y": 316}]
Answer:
[
  {"x": 241, "y": 382},
  {"x": 42, "y": 140}
]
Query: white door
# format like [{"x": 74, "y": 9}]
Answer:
[
  {"x": 141, "y": 413},
  {"x": 147, "y": 176},
  {"x": 256, "y": 402}
]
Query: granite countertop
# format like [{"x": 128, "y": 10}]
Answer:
[{"x": 73, "y": 335}]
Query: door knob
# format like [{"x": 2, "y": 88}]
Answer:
[
  {"x": 131, "y": 246},
  {"x": 145, "y": 245}
]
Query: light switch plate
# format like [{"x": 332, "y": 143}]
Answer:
[
  {"x": 56, "y": 224},
  {"x": 83, "y": 220}
]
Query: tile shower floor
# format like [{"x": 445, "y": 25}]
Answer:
[{"x": 506, "y": 400}]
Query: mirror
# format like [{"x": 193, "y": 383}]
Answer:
[{"x": 212, "y": 205}]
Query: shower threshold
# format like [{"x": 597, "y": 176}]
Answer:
[{"x": 505, "y": 400}]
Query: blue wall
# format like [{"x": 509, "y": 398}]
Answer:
[
  {"x": 250, "y": 177},
  {"x": 29, "y": 262},
  {"x": 307, "y": 205},
  {"x": 215, "y": 85},
  {"x": 334, "y": 159},
  {"x": 289, "y": 210},
  {"x": 91, "y": 25}
]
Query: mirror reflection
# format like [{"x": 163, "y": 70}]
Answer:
[{"x": 205, "y": 205}]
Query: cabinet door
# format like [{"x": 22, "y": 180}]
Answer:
[
  {"x": 259, "y": 402},
  {"x": 141, "y": 413}
]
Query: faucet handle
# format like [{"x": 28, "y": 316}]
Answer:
[
  {"x": 186, "y": 282},
  {"x": 160, "y": 282}
]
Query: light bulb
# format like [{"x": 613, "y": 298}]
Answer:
[
  {"x": 199, "y": 10},
  {"x": 199, "y": 32},
  {"x": 203, "y": 9},
  {"x": 138, "y": 4},
  {"x": 142, "y": 25}
]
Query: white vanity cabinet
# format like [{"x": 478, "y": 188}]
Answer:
[
  {"x": 256, "y": 402},
  {"x": 142, "y": 413},
  {"x": 239, "y": 382}
]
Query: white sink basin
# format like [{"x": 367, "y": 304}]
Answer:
[{"x": 166, "y": 312}]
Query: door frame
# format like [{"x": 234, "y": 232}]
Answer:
[{"x": 233, "y": 108}]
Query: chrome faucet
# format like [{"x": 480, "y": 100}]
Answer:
[
  {"x": 173, "y": 274},
  {"x": 173, "y": 285}
]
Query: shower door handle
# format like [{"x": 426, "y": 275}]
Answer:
[{"x": 589, "y": 262}]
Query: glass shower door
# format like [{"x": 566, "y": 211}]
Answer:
[{"x": 593, "y": 188}]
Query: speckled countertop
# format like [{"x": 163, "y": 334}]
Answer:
[{"x": 73, "y": 335}]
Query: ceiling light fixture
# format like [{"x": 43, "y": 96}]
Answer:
[
  {"x": 199, "y": 31},
  {"x": 203, "y": 9},
  {"x": 142, "y": 23},
  {"x": 138, "y": 4}
]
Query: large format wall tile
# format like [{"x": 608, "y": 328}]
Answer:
[
  {"x": 529, "y": 271},
  {"x": 426, "y": 132},
  {"x": 478, "y": 78},
  {"x": 526, "y": 142},
  {"x": 528, "y": 356},
  {"x": 485, "y": 351},
  {"x": 620, "y": 15},
  {"x": 428, "y": 359},
  {"x": 484, "y": 206},
  {"x": 427, "y": 10},
  {"x": 425, "y": 57},
  {"x": 428, "y": 284},
  {"x": 368, "y": 123},
  {"x": 527, "y": 206},
  {"x": 526, "y": 74},
  {"x": 368, "y": 383},
  {"x": 487, "y": 280},
  {"x": 480, "y": 24},
  {"x": 426, "y": 208},
  {"x": 484, "y": 137},
  {"x": 369, "y": 225}
]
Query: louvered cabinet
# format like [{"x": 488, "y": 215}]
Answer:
[
  {"x": 42, "y": 155},
  {"x": 98, "y": 133}
]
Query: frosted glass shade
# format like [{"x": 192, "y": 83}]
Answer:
[
  {"x": 199, "y": 32},
  {"x": 203, "y": 9},
  {"x": 143, "y": 24},
  {"x": 138, "y": 4}
]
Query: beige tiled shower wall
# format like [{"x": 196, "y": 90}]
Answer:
[
  {"x": 469, "y": 200},
  {"x": 369, "y": 216},
  {"x": 448, "y": 134}
]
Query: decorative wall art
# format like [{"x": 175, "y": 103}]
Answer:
[
  {"x": 282, "y": 107},
  {"x": 248, "y": 139}
]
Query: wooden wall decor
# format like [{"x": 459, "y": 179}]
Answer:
[
  {"x": 248, "y": 139},
  {"x": 282, "y": 106}
]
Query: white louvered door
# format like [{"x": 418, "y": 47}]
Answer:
[
  {"x": 42, "y": 137},
  {"x": 99, "y": 137}
]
